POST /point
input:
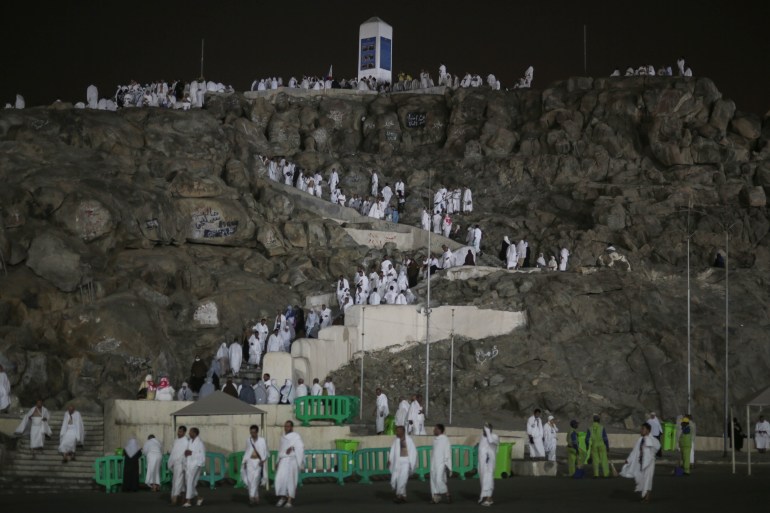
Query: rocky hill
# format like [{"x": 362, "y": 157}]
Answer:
[{"x": 134, "y": 240}]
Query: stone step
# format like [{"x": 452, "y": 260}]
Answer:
[
  {"x": 49, "y": 472},
  {"x": 46, "y": 484}
]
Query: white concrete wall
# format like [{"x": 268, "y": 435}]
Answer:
[
  {"x": 373, "y": 328},
  {"x": 125, "y": 418}
]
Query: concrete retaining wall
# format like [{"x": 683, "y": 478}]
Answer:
[{"x": 373, "y": 328}]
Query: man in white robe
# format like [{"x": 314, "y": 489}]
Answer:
[
  {"x": 72, "y": 434},
  {"x": 425, "y": 220},
  {"x": 5, "y": 391},
  {"x": 550, "y": 431},
  {"x": 381, "y": 411},
  {"x": 329, "y": 388},
  {"x": 326, "y": 316},
  {"x": 402, "y": 461},
  {"x": 374, "y": 298},
  {"x": 521, "y": 251},
  {"x": 437, "y": 219},
  {"x": 511, "y": 257},
  {"x": 302, "y": 390},
  {"x": 640, "y": 464},
  {"x": 287, "y": 392},
  {"x": 316, "y": 389},
  {"x": 262, "y": 332},
  {"x": 552, "y": 265},
  {"x": 477, "y": 239},
  {"x": 446, "y": 225},
  {"x": 223, "y": 357},
  {"x": 487, "y": 461},
  {"x": 92, "y": 96},
  {"x": 273, "y": 394},
  {"x": 285, "y": 337},
  {"x": 195, "y": 460},
  {"x": 447, "y": 259},
  {"x": 399, "y": 187},
  {"x": 37, "y": 420},
  {"x": 416, "y": 417},
  {"x": 762, "y": 434},
  {"x": 541, "y": 264},
  {"x": 535, "y": 433},
  {"x": 334, "y": 180},
  {"x": 255, "y": 458},
  {"x": 440, "y": 465},
  {"x": 176, "y": 464},
  {"x": 386, "y": 193},
  {"x": 402, "y": 412},
  {"x": 236, "y": 357},
  {"x": 312, "y": 323},
  {"x": 564, "y": 254},
  {"x": 291, "y": 459},
  {"x": 255, "y": 349},
  {"x": 467, "y": 201},
  {"x": 153, "y": 454},
  {"x": 274, "y": 342}
]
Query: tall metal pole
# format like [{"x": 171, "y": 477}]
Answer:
[
  {"x": 202, "y": 43},
  {"x": 451, "y": 366},
  {"x": 689, "y": 380},
  {"x": 727, "y": 332},
  {"x": 585, "y": 50},
  {"x": 427, "y": 311},
  {"x": 361, "y": 393}
]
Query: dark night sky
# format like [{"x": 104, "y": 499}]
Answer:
[{"x": 55, "y": 50}]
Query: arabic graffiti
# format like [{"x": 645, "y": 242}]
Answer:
[
  {"x": 482, "y": 356},
  {"x": 416, "y": 119},
  {"x": 378, "y": 240},
  {"x": 209, "y": 224}
]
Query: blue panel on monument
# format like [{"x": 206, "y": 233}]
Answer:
[
  {"x": 368, "y": 53},
  {"x": 385, "y": 48}
]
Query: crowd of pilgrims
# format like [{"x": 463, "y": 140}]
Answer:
[{"x": 649, "y": 70}]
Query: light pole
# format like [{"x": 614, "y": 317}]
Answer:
[{"x": 689, "y": 343}]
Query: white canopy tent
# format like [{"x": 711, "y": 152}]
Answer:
[{"x": 760, "y": 400}]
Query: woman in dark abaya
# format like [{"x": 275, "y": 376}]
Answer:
[{"x": 131, "y": 454}]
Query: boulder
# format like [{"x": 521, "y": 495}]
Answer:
[{"x": 52, "y": 258}]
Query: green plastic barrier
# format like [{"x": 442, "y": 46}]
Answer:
[
  {"x": 337, "y": 408},
  {"x": 503, "y": 460},
  {"x": 463, "y": 460},
  {"x": 165, "y": 473},
  {"x": 423, "y": 461},
  {"x": 327, "y": 463},
  {"x": 669, "y": 436},
  {"x": 108, "y": 472},
  {"x": 234, "y": 462},
  {"x": 372, "y": 462},
  {"x": 347, "y": 445},
  {"x": 390, "y": 425},
  {"x": 214, "y": 469}
]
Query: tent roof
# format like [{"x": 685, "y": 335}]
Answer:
[
  {"x": 375, "y": 19},
  {"x": 218, "y": 403},
  {"x": 760, "y": 399}
]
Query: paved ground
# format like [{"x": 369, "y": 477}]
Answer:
[{"x": 711, "y": 488}]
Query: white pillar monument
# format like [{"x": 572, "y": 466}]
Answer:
[{"x": 375, "y": 50}]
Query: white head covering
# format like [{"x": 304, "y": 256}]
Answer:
[
  {"x": 506, "y": 239},
  {"x": 131, "y": 447}
]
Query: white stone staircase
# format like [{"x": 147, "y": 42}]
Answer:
[{"x": 44, "y": 472}]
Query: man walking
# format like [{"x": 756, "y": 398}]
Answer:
[
  {"x": 440, "y": 465},
  {"x": 291, "y": 459},
  {"x": 195, "y": 459},
  {"x": 402, "y": 462},
  {"x": 598, "y": 444},
  {"x": 381, "y": 412}
]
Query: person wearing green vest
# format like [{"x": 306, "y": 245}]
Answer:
[
  {"x": 598, "y": 445},
  {"x": 685, "y": 444},
  {"x": 574, "y": 453}
]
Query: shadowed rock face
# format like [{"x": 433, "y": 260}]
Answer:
[{"x": 136, "y": 239}]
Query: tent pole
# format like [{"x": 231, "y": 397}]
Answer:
[
  {"x": 361, "y": 400},
  {"x": 732, "y": 436},
  {"x": 451, "y": 366},
  {"x": 748, "y": 445}
]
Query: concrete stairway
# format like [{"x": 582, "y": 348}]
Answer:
[{"x": 25, "y": 472}]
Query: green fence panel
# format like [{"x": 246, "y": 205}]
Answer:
[
  {"x": 214, "y": 469},
  {"x": 108, "y": 472},
  {"x": 327, "y": 463},
  {"x": 372, "y": 462},
  {"x": 423, "y": 461},
  {"x": 463, "y": 460},
  {"x": 234, "y": 466},
  {"x": 337, "y": 408}
]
